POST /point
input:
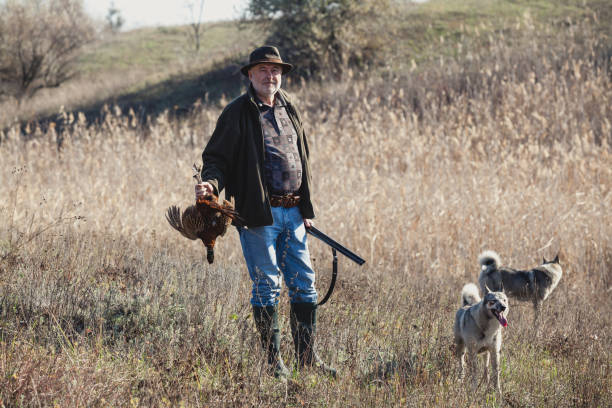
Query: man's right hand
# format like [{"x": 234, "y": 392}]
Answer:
[{"x": 204, "y": 190}]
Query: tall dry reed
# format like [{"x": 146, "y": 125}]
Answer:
[{"x": 101, "y": 303}]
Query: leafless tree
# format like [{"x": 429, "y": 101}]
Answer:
[
  {"x": 196, "y": 9},
  {"x": 39, "y": 41},
  {"x": 114, "y": 19}
]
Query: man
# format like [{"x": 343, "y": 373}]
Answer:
[{"x": 258, "y": 152}]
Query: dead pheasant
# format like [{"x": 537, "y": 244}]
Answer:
[{"x": 206, "y": 220}]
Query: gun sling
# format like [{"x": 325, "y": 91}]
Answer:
[{"x": 335, "y": 246}]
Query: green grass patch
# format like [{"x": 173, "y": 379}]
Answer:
[{"x": 157, "y": 49}]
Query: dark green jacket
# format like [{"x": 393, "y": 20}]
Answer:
[{"x": 234, "y": 159}]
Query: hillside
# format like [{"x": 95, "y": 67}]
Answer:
[{"x": 154, "y": 69}]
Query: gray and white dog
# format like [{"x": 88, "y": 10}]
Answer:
[
  {"x": 534, "y": 285},
  {"x": 477, "y": 330}
]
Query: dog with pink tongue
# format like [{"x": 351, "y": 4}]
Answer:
[{"x": 478, "y": 330}]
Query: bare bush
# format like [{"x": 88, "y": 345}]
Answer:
[
  {"x": 39, "y": 41},
  {"x": 196, "y": 29}
]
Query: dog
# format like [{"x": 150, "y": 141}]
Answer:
[
  {"x": 477, "y": 330},
  {"x": 534, "y": 285}
]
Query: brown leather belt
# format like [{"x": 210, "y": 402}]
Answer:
[{"x": 287, "y": 200}]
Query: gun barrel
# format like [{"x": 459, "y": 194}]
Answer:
[{"x": 343, "y": 250}]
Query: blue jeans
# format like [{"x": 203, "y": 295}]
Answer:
[{"x": 275, "y": 249}]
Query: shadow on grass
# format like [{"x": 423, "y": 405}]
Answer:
[
  {"x": 176, "y": 95},
  {"x": 180, "y": 93}
]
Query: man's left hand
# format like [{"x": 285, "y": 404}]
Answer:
[{"x": 308, "y": 223}]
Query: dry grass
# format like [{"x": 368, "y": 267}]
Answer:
[{"x": 417, "y": 175}]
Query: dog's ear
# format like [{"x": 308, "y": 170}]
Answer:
[
  {"x": 556, "y": 260},
  {"x": 544, "y": 261}
]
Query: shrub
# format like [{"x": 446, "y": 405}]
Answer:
[
  {"x": 39, "y": 41},
  {"x": 323, "y": 37}
]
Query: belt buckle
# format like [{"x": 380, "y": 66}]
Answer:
[{"x": 286, "y": 200}]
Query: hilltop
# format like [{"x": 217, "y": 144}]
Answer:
[{"x": 155, "y": 69}]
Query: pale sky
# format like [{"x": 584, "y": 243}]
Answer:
[{"x": 143, "y": 13}]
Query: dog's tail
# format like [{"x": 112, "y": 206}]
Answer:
[
  {"x": 469, "y": 295},
  {"x": 489, "y": 260}
]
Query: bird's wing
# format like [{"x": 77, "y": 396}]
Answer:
[
  {"x": 173, "y": 215},
  {"x": 226, "y": 209},
  {"x": 193, "y": 222}
]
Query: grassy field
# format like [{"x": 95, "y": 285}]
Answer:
[{"x": 504, "y": 144}]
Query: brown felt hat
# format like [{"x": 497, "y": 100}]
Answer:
[{"x": 266, "y": 54}]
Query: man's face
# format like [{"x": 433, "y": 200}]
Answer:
[{"x": 266, "y": 78}]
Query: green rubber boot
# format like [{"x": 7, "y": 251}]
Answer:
[
  {"x": 266, "y": 320},
  {"x": 303, "y": 329}
]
